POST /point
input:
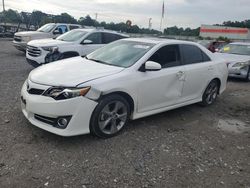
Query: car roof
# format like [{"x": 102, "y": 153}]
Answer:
[
  {"x": 241, "y": 43},
  {"x": 100, "y": 30},
  {"x": 160, "y": 41}
]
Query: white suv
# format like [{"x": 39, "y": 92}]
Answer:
[
  {"x": 78, "y": 42},
  {"x": 51, "y": 30}
]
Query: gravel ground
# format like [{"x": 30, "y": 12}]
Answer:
[{"x": 188, "y": 147}]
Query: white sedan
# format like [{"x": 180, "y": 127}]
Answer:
[
  {"x": 237, "y": 55},
  {"x": 127, "y": 79}
]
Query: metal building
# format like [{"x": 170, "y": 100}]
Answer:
[{"x": 221, "y": 31}]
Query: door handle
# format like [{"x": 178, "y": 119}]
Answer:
[
  {"x": 210, "y": 68},
  {"x": 179, "y": 74}
]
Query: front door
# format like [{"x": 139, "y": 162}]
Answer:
[
  {"x": 96, "y": 42},
  {"x": 159, "y": 89}
]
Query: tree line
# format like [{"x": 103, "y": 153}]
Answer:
[{"x": 39, "y": 18}]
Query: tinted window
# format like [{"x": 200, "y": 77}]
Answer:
[
  {"x": 110, "y": 37},
  {"x": 95, "y": 38},
  {"x": 167, "y": 56},
  {"x": 191, "y": 54},
  {"x": 62, "y": 29},
  {"x": 71, "y": 27},
  {"x": 205, "y": 57}
]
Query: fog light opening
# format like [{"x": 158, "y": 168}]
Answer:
[{"x": 62, "y": 122}]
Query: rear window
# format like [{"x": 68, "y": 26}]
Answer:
[{"x": 111, "y": 37}]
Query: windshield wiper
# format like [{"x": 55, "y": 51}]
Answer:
[{"x": 98, "y": 61}]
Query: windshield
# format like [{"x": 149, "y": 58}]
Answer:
[
  {"x": 236, "y": 49},
  {"x": 72, "y": 36},
  {"x": 47, "y": 28},
  {"x": 121, "y": 53}
]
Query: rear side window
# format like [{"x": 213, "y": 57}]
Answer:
[
  {"x": 167, "y": 56},
  {"x": 110, "y": 37},
  {"x": 71, "y": 27},
  {"x": 193, "y": 54}
]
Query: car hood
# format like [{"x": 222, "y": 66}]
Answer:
[
  {"x": 71, "y": 72},
  {"x": 34, "y": 34},
  {"x": 233, "y": 58},
  {"x": 47, "y": 42}
]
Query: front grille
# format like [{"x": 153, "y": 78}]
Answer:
[
  {"x": 34, "y": 91},
  {"x": 17, "y": 38},
  {"x": 33, "y": 51},
  {"x": 47, "y": 120}
]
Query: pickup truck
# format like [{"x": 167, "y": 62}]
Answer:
[{"x": 51, "y": 30}]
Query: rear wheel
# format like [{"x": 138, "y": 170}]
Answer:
[
  {"x": 248, "y": 74},
  {"x": 110, "y": 116},
  {"x": 211, "y": 93}
]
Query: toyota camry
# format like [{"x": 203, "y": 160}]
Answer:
[{"x": 124, "y": 80}]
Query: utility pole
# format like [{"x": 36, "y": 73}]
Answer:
[
  {"x": 150, "y": 23},
  {"x": 3, "y": 6},
  {"x": 96, "y": 16}
]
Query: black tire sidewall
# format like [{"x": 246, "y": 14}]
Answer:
[
  {"x": 248, "y": 74},
  {"x": 94, "y": 127},
  {"x": 204, "y": 102}
]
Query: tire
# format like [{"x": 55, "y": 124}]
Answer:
[
  {"x": 211, "y": 93},
  {"x": 110, "y": 116},
  {"x": 248, "y": 74}
]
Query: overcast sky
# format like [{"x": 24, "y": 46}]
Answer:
[{"x": 185, "y": 13}]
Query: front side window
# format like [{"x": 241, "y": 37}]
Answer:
[
  {"x": 96, "y": 38},
  {"x": 191, "y": 54},
  {"x": 121, "y": 53},
  {"x": 61, "y": 29},
  {"x": 167, "y": 56},
  {"x": 72, "y": 36}
]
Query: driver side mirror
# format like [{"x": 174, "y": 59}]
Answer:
[
  {"x": 152, "y": 66},
  {"x": 87, "y": 41},
  {"x": 56, "y": 32}
]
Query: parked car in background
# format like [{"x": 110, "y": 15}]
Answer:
[
  {"x": 51, "y": 30},
  {"x": 213, "y": 46},
  {"x": 127, "y": 79},
  {"x": 78, "y": 42},
  {"x": 238, "y": 57}
]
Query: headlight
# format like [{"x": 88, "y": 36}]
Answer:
[
  {"x": 241, "y": 64},
  {"x": 50, "y": 48},
  {"x": 59, "y": 93},
  {"x": 26, "y": 39}
]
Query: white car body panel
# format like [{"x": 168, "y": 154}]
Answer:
[
  {"x": 64, "y": 47},
  {"x": 151, "y": 92},
  {"x": 232, "y": 59}
]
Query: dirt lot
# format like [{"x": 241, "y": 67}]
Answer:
[{"x": 188, "y": 147}]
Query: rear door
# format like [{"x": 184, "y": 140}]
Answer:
[
  {"x": 159, "y": 89},
  {"x": 198, "y": 71}
]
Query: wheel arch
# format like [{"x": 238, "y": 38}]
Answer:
[
  {"x": 70, "y": 53},
  {"x": 218, "y": 81},
  {"x": 125, "y": 95}
]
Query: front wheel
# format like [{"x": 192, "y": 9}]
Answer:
[
  {"x": 110, "y": 116},
  {"x": 211, "y": 93}
]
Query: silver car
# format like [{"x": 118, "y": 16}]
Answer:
[{"x": 238, "y": 56}]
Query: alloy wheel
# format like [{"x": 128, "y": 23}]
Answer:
[{"x": 113, "y": 117}]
